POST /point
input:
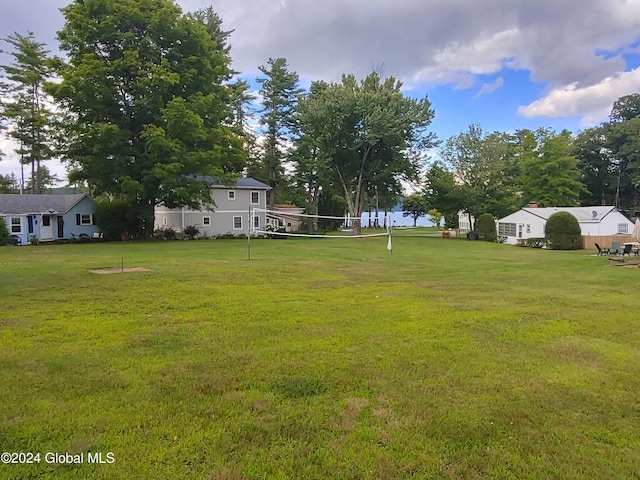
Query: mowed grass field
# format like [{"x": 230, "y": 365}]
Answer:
[{"x": 319, "y": 359}]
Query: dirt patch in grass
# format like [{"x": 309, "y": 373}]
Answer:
[
  {"x": 620, "y": 262},
  {"x": 107, "y": 271}
]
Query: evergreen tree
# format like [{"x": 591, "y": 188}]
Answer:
[
  {"x": 279, "y": 91},
  {"x": 25, "y": 104}
]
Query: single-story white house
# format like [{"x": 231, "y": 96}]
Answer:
[
  {"x": 594, "y": 221},
  {"x": 230, "y": 212}
]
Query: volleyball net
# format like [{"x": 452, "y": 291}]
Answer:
[
  {"x": 268, "y": 222},
  {"x": 271, "y": 223}
]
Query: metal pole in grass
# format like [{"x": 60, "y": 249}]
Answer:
[
  {"x": 122, "y": 265},
  {"x": 249, "y": 235}
]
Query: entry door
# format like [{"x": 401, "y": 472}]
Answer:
[
  {"x": 60, "y": 227},
  {"x": 46, "y": 230}
]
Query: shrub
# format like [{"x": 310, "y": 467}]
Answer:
[
  {"x": 164, "y": 233},
  {"x": 4, "y": 233},
  {"x": 486, "y": 227},
  {"x": 562, "y": 232},
  {"x": 114, "y": 219},
  {"x": 532, "y": 242},
  {"x": 191, "y": 231}
]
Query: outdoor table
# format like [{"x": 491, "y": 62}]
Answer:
[{"x": 636, "y": 247}]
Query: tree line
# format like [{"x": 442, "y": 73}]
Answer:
[
  {"x": 145, "y": 105},
  {"x": 499, "y": 172}
]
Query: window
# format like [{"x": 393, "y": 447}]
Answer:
[
  {"x": 507, "y": 229},
  {"x": 231, "y": 194},
  {"x": 623, "y": 228},
  {"x": 528, "y": 228},
  {"x": 255, "y": 198},
  {"x": 46, "y": 221},
  {"x": 16, "y": 225},
  {"x": 164, "y": 221},
  {"x": 256, "y": 222},
  {"x": 84, "y": 219},
  {"x": 206, "y": 221},
  {"x": 237, "y": 223}
]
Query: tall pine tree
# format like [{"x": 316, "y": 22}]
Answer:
[
  {"x": 25, "y": 104},
  {"x": 279, "y": 93}
]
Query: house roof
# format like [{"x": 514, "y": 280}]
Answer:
[
  {"x": 15, "y": 204},
  {"x": 284, "y": 206},
  {"x": 242, "y": 182},
  {"x": 584, "y": 214}
]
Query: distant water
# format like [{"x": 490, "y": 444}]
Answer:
[{"x": 396, "y": 219}]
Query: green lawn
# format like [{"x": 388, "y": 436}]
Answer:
[{"x": 323, "y": 358}]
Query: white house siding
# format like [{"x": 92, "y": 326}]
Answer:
[{"x": 593, "y": 221}]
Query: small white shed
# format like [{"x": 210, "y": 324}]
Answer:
[{"x": 594, "y": 221}]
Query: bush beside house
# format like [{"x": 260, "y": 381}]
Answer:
[
  {"x": 114, "y": 220},
  {"x": 486, "y": 227},
  {"x": 562, "y": 232},
  {"x": 4, "y": 233}
]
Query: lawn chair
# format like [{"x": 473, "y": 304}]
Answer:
[
  {"x": 602, "y": 251},
  {"x": 627, "y": 250},
  {"x": 15, "y": 240},
  {"x": 615, "y": 248}
]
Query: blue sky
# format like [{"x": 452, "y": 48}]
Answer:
[{"x": 506, "y": 64}]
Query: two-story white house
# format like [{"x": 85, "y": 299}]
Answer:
[{"x": 237, "y": 209}]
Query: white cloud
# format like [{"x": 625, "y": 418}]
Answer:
[
  {"x": 489, "y": 88},
  {"x": 559, "y": 43},
  {"x": 485, "y": 55},
  {"x": 593, "y": 102}
]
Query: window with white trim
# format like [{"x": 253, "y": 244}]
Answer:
[
  {"x": 231, "y": 194},
  {"x": 237, "y": 223},
  {"x": 255, "y": 198},
  {"x": 206, "y": 221},
  {"x": 623, "y": 228},
  {"x": 164, "y": 221},
  {"x": 16, "y": 225},
  {"x": 528, "y": 228},
  {"x": 507, "y": 229},
  {"x": 84, "y": 219},
  {"x": 256, "y": 222}
]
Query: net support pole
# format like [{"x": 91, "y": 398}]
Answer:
[{"x": 249, "y": 235}]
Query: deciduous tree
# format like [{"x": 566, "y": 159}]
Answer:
[
  {"x": 144, "y": 86},
  {"x": 486, "y": 170},
  {"x": 373, "y": 135},
  {"x": 549, "y": 170},
  {"x": 597, "y": 167},
  {"x": 443, "y": 192},
  {"x": 414, "y": 206}
]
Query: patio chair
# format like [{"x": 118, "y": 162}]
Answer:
[
  {"x": 15, "y": 240},
  {"x": 602, "y": 251},
  {"x": 627, "y": 250},
  {"x": 615, "y": 248}
]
